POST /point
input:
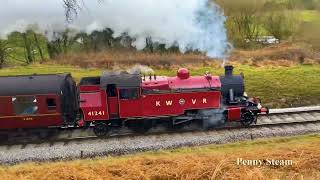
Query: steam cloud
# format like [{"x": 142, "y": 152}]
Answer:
[
  {"x": 192, "y": 24},
  {"x": 140, "y": 69}
]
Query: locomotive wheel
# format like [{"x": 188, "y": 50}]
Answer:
[
  {"x": 248, "y": 118},
  {"x": 100, "y": 129}
]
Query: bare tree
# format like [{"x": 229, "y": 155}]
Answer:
[
  {"x": 244, "y": 20},
  {"x": 71, "y": 9},
  {"x": 61, "y": 43},
  {"x": 280, "y": 24},
  {"x": 37, "y": 44},
  {"x": 149, "y": 45},
  {"x": 4, "y": 52},
  {"x": 28, "y": 48}
]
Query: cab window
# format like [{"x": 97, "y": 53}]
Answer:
[
  {"x": 129, "y": 93},
  {"x": 25, "y": 105},
  {"x": 112, "y": 90}
]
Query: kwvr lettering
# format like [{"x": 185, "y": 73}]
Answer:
[
  {"x": 204, "y": 101},
  {"x": 169, "y": 103},
  {"x": 194, "y": 101}
]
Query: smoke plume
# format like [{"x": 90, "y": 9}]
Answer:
[{"x": 192, "y": 24}]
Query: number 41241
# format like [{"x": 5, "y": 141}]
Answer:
[{"x": 96, "y": 113}]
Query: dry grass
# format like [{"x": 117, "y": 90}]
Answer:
[
  {"x": 109, "y": 59},
  {"x": 207, "y": 162},
  {"x": 285, "y": 54}
]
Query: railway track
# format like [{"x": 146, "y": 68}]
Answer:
[
  {"x": 276, "y": 116},
  {"x": 82, "y": 143}
]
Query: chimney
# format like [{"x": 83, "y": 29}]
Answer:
[{"x": 228, "y": 71}]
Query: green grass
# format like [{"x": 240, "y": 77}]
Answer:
[
  {"x": 277, "y": 86},
  {"x": 310, "y": 15}
]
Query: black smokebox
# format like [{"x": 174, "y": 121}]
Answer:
[{"x": 228, "y": 71}]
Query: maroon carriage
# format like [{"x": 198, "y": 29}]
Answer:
[
  {"x": 38, "y": 101},
  {"x": 117, "y": 99}
]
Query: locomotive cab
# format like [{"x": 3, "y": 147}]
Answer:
[{"x": 108, "y": 96}]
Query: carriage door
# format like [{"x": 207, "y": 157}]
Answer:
[{"x": 113, "y": 100}]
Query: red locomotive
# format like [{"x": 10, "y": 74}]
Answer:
[{"x": 119, "y": 99}]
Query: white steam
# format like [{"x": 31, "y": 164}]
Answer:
[
  {"x": 140, "y": 69},
  {"x": 193, "y": 24}
]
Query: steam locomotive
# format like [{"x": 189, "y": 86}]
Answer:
[{"x": 119, "y": 99}]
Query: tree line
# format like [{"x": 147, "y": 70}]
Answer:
[{"x": 30, "y": 46}]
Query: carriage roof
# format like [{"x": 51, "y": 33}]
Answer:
[{"x": 33, "y": 84}]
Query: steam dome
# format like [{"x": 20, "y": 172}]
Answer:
[{"x": 183, "y": 73}]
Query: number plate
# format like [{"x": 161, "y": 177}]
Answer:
[{"x": 96, "y": 113}]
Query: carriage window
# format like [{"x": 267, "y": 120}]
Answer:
[
  {"x": 51, "y": 104},
  {"x": 25, "y": 105},
  {"x": 129, "y": 93}
]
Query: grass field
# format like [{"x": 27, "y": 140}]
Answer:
[
  {"x": 310, "y": 15},
  {"x": 206, "y": 162},
  {"x": 277, "y": 86}
]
